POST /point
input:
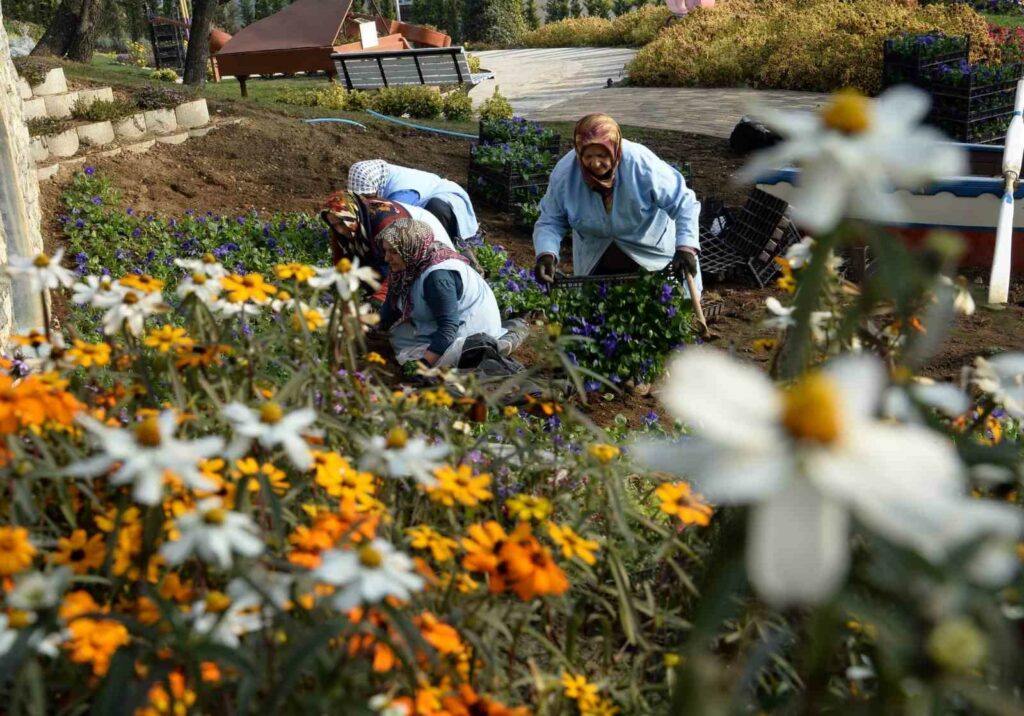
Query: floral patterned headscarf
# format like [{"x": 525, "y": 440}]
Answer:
[
  {"x": 362, "y": 219},
  {"x": 414, "y": 242},
  {"x": 602, "y": 130}
]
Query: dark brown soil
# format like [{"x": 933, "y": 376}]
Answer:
[{"x": 274, "y": 162}]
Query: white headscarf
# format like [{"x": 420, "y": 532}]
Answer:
[{"x": 368, "y": 177}]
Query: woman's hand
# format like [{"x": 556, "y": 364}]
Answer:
[
  {"x": 544, "y": 271},
  {"x": 430, "y": 358},
  {"x": 684, "y": 263}
]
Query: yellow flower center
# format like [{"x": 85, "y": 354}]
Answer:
[
  {"x": 811, "y": 409},
  {"x": 217, "y": 601},
  {"x": 271, "y": 413},
  {"x": 397, "y": 438},
  {"x": 41, "y": 261},
  {"x": 370, "y": 557},
  {"x": 848, "y": 112},
  {"x": 209, "y": 259},
  {"x": 130, "y": 298},
  {"x": 344, "y": 266},
  {"x": 199, "y": 278},
  {"x": 18, "y": 619},
  {"x": 216, "y": 516},
  {"x": 148, "y": 432}
]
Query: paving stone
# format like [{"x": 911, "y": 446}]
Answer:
[
  {"x": 108, "y": 153},
  {"x": 200, "y": 132},
  {"x": 173, "y": 138},
  {"x": 45, "y": 173},
  {"x": 140, "y": 147}
]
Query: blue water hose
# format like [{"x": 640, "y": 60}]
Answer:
[
  {"x": 402, "y": 122},
  {"x": 335, "y": 119}
]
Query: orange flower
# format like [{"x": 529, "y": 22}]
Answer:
[
  {"x": 444, "y": 638},
  {"x": 177, "y": 702},
  {"x": 16, "y": 552},
  {"x": 92, "y": 641},
  {"x": 196, "y": 356},
  {"x": 531, "y": 570},
  {"x": 470, "y": 703},
  {"x": 678, "y": 499},
  {"x": 482, "y": 544},
  {"x": 79, "y": 552}
]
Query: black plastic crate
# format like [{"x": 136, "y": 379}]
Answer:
[
  {"x": 554, "y": 145},
  {"x": 988, "y": 130},
  {"x": 898, "y": 68},
  {"x": 505, "y": 188}
]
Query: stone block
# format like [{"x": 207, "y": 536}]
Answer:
[
  {"x": 109, "y": 152},
  {"x": 140, "y": 147},
  {"x": 53, "y": 84},
  {"x": 87, "y": 97},
  {"x": 34, "y": 108},
  {"x": 59, "y": 106},
  {"x": 201, "y": 132},
  {"x": 24, "y": 89},
  {"x": 132, "y": 127},
  {"x": 179, "y": 138},
  {"x": 161, "y": 121},
  {"x": 64, "y": 144},
  {"x": 49, "y": 172},
  {"x": 39, "y": 151},
  {"x": 192, "y": 114},
  {"x": 97, "y": 134}
]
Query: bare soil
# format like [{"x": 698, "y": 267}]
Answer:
[{"x": 274, "y": 162}]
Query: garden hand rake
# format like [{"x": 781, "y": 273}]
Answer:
[{"x": 999, "y": 280}]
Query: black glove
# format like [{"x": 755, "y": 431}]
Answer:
[
  {"x": 683, "y": 263},
  {"x": 544, "y": 271}
]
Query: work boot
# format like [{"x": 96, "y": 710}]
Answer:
[{"x": 516, "y": 331}]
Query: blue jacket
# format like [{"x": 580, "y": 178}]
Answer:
[{"x": 412, "y": 186}]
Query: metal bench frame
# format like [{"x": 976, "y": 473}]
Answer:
[{"x": 395, "y": 68}]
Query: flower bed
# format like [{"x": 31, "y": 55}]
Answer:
[
  {"x": 906, "y": 58},
  {"x": 973, "y": 103},
  {"x": 521, "y": 131},
  {"x": 509, "y": 173}
]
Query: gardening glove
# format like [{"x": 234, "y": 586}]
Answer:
[
  {"x": 544, "y": 271},
  {"x": 684, "y": 262}
]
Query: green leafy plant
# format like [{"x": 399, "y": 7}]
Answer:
[
  {"x": 104, "y": 110},
  {"x": 45, "y": 126},
  {"x": 164, "y": 75},
  {"x": 496, "y": 107},
  {"x": 151, "y": 98},
  {"x": 457, "y": 106},
  {"x": 417, "y": 101}
]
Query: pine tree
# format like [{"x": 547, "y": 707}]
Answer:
[
  {"x": 262, "y": 9},
  {"x": 530, "y": 14},
  {"x": 495, "y": 22},
  {"x": 575, "y": 8},
  {"x": 598, "y": 8},
  {"x": 248, "y": 12},
  {"x": 556, "y": 10}
]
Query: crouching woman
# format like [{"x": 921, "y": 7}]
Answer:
[{"x": 435, "y": 299}]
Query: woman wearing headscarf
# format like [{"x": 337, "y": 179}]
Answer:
[
  {"x": 627, "y": 208},
  {"x": 435, "y": 299},
  {"x": 445, "y": 199}
]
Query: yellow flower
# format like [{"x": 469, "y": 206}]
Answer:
[
  {"x": 529, "y": 507},
  {"x": 375, "y": 357},
  {"x": 677, "y": 499},
  {"x": 458, "y": 485},
  {"x": 90, "y": 354},
  {"x": 168, "y": 338},
  {"x": 250, "y": 468},
  {"x": 437, "y": 398},
  {"x": 313, "y": 317},
  {"x": 80, "y": 553},
  {"x": 603, "y": 453},
  {"x": 299, "y": 272},
  {"x": 573, "y": 544},
  {"x": 16, "y": 552},
  {"x": 143, "y": 282},
  {"x": 578, "y": 688},
  {"x": 511, "y": 411},
  {"x": 251, "y": 287},
  {"x": 764, "y": 345},
  {"x": 426, "y": 537},
  {"x": 786, "y": 282}
]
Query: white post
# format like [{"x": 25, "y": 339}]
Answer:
[
  {"x": 999, "y": 280},
  {"x": 20, "y": 214}
]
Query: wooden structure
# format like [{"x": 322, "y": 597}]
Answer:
[
  {"x": 303, "y": 36},
  {"x": 427, "y": 66}
]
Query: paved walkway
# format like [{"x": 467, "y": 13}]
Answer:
[{"x": 565, "y": 84}]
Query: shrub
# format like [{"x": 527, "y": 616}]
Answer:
[
  {"x": 103, "y": 110},
  {"x": 496, "y": 107},
  {"x": 493, "y": 22},
  {"x": 359, "y": 101},
  {"x": 474, "y": 63},
  {"x": 815, "y": 45},
  {"x": 45, "y": 126},
  {"x": 164, "y": 75},
  {"x": 417, "y": 101},
  {"x": 33, "y": 69},
  {"x": 458, "y": 107},
  {"x": 334, "y": 96},
  {"x": 633, "y": 29},
  {"x": 137, "y": 55}
]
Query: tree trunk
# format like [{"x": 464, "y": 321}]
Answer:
[
  {"x": 72, "y": 32},
  {"x": 198, "y": 55}
]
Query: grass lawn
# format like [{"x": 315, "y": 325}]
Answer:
[{"x": 1004, "y": 20}]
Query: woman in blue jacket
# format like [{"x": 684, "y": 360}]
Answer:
[
  {"x": 626, "y": 208},
  {"x": 445, "y": 199}
]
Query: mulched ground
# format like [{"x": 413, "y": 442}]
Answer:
[{"x": 273, "y": 162}]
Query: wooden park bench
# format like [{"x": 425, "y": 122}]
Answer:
[{"x": 394, "y": 68}]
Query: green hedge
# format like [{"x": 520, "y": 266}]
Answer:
[
  {"x": 631, "y": 29},
  {"x": 813, "y": 45}
]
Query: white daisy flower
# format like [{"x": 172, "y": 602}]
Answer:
[
  {"x": 963, "y": 301},
  {"x": 368, "y": 574},
  {"x": 225, "y": 627},
  {"x": 213, "y": 533},
  {"x": 810, "y": 458},
  {"x": 46, "y": 645},
  {"x": 227, "y": 309},
  {"x": 129, "y": 310},
  {"x": 272, "y": 428},
  {"x": 205, "y": 288},
  {"x": 385, "y": 705},
  {"x": 899, "y": 401},
  {"x": 42, "y": 271},
  {"x": 345, "y": 276},
  {"x": 97, "y": 291},
  {"x": 207, "y": 266},
  {"x": 274, "y": 588},
  {"x": 1002, "y": 378},
  {"x": 36, "y": 591},
  {"x": 782, "y": 319},
  {"x": 398, "y": 456},
  {"x": 854, "y": 153},
  {"x": 144, "y": 452}
]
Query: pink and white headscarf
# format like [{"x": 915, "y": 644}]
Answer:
[{"x": 368, "y": 177}]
